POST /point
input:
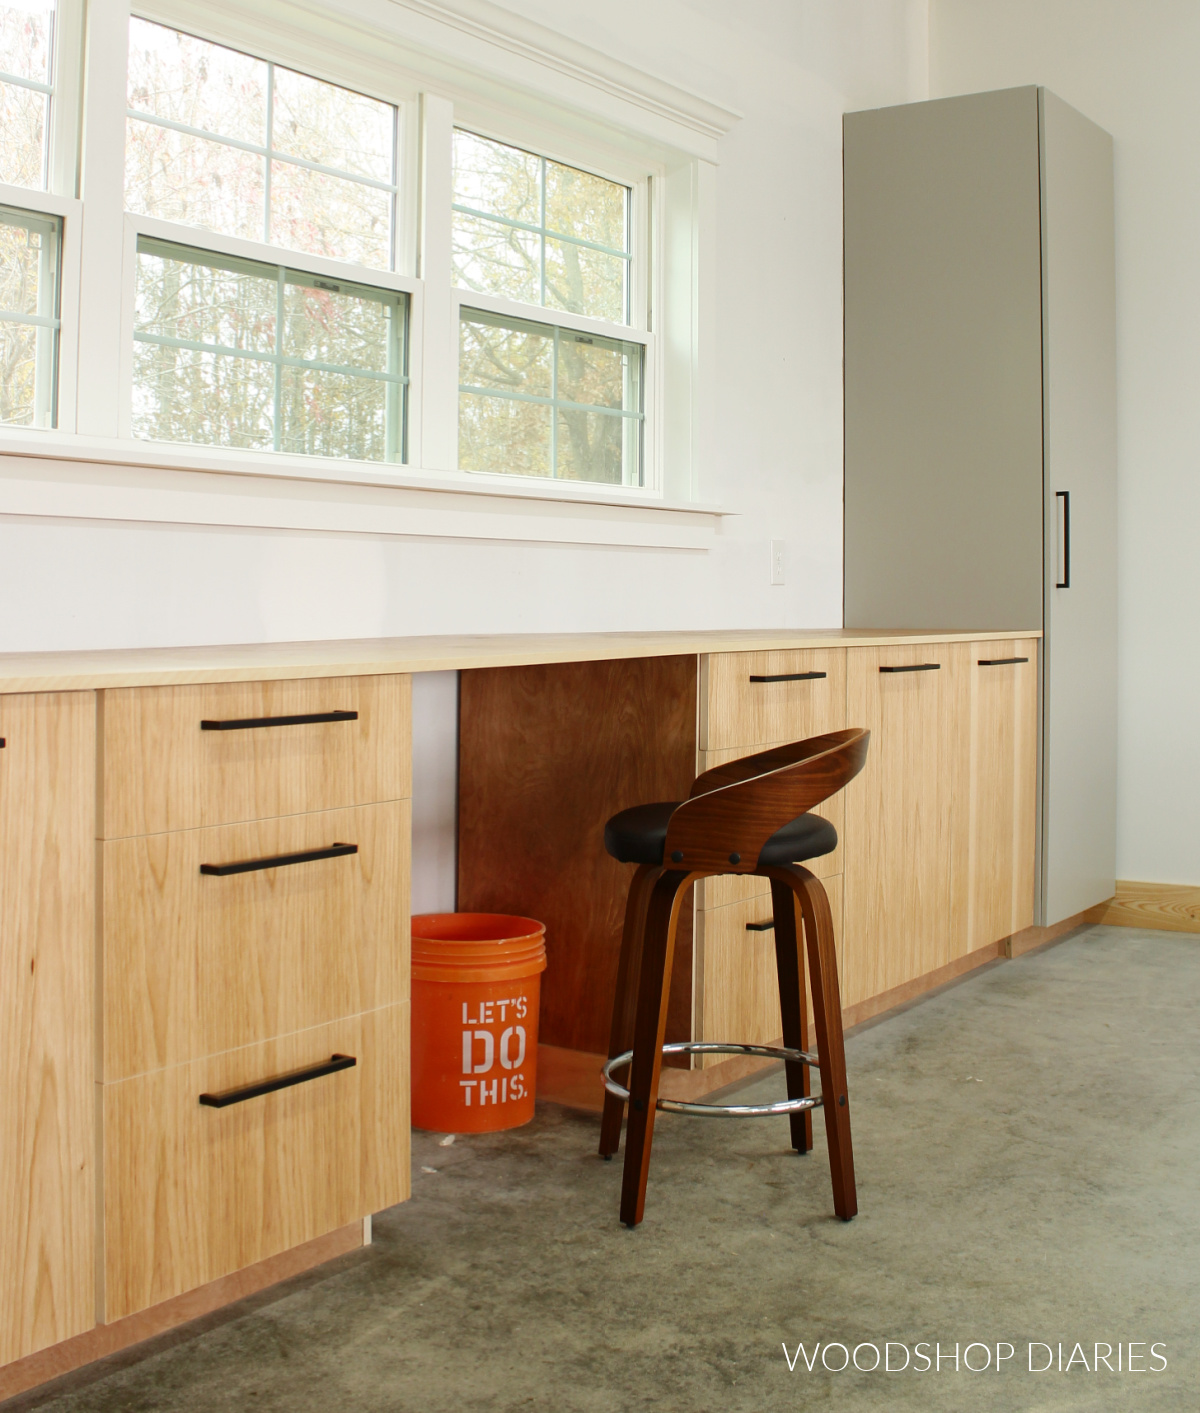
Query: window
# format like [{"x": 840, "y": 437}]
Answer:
[
  {"x": 301, "y": 252},
  {"x": 234, "y": 144},
  {"x": 29, "y": 317},
  {"x": 563, "y": 399},
  {"x": 26, "y": 86},
  {"x": 241, "y": 352},
  {"x": 237, "y": 353}
]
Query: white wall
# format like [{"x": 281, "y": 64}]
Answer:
[{"x": 1131, "y": 66}]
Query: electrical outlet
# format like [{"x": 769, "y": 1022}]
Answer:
[{"x": 778, "y": 553}]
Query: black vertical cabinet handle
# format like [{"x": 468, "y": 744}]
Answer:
[
  {"x": 281, "y": 1081},
  {"x": 3, "y": 743},
  {"x": 1065, "y": 566},
  {"x": 251, "y": 723}
]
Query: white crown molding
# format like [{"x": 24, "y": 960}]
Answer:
[
  {"x": 526, "y": 38},
  {"x": 471, "y": 45}
]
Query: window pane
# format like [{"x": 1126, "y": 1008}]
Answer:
[
  {"x": 26, "y": 284},
  {"x": 18, "y": 374},
  {"x": 584, "y": 281},
  {"x": 228, "y": 303},
  {"x": 597, "y": 371},
  {"x": 177, "y": 177},
  {"x": 191, "y": 81},
  {"x": 333, "y": 126},
  {"x": 519, "y": 386},
  {"x": 497, "y": 259},
  {"x": 586, "y": 207},
  {"x": 23, "y": 126},
  {"x": 29, "y": 275},
  {"x": 184, "y": 395},
  {"x": 590, "y": 446},
  {"x": 211, "y": 182},
  {"x": 330, "y": 414},
  {"x": 500, "y": 192},
  {"x": 498, "y": 434},
  {"x": 512, "y": 357},
  {"x": 330, "y": 216},
  {"x": 504, "y": 181},
  {"x": 194, "y": 308},
  {"x": 323, "y": 325},
  {"x": 26, "y": 33}
]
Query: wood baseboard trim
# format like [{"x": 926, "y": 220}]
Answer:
[
  {"x": 875, "y": 1006},
  {"x": 103, "y": 1340},
  {"x": 1029, "y": 939},
  {"x": 1167, "y": 907}
]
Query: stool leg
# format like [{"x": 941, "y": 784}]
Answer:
[
  {"x": 658, "y": 943},
  {"x": 827, "y": 1015},
  {"x": 625, "y": 999},
  {"x": 789, "y": 965}
]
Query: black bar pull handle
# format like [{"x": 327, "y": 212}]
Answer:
[
  {"x": 1064, "y": 564},
  {"x": 767, "y": 926},
  {"x": 250, "y": 723},
  {"x": 281, "y": 1081},
  {"x": 1000, "y": 661},
  {"x": 3, "y": 743},
  {"x": 791, "y": 677},
  {"x": 914, "y": 667},
  {"x": 335, "y": 851}
]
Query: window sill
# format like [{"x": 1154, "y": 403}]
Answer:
[{"x": 58, "y": 475}]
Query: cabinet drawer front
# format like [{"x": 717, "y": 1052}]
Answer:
[
  {"x": 193, "y": 1192},
  {"x": 753, "y": 699},
  {"x": 196, "y": 963},
  {"x": 164, "y": 769}
]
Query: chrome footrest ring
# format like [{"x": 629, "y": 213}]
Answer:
[{"x": 725, "y": 1111}]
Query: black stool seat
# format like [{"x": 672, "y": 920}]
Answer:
[{"x": 639, "y": 835}]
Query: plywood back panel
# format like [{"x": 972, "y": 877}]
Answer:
[{"x": 546, "y": 755}]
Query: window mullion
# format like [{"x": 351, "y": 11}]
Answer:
[
  {"x": 103, "y": 322},
  {"x": 277, "y": 417},
  {"x": 553, "y": 395},
  {"x": 267, "y": 157}
]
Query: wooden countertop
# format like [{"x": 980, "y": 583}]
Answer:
[{"x": 256, "y": 662}]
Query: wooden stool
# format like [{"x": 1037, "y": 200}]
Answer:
[{"x": 748, "y": 816}]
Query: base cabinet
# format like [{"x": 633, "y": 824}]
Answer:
[{"x": 47, "y": 1170}]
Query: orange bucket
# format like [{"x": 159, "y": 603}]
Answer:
[{"x": 475, "y": 993}]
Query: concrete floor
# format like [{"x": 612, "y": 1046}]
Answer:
[{"x": 1028, "y": 1153}]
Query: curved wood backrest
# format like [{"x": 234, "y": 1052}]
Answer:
[{"x": 736, "y": 807}]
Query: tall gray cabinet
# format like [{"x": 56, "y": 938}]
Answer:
[{"x": 980, "y": 406}]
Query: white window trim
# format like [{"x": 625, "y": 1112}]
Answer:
[{"x": 506, "y": 77}]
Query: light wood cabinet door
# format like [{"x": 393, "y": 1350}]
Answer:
[
  {"x": 997, "y": 890},
  {"x": 906, "y": 814},
  {"x": 47, "y": 1171},
  {"x": 193, "y": 1192},
  {"x": 755, "y": 700},
  {"x": 196, "y": 963},
  {"x": 188, "y": 757}
]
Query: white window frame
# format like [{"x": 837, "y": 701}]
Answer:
[
  {"x": 644, "y": 181},
  {"x": 534, "y": 106}
]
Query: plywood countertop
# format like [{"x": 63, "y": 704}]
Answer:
[{"x": 355, "y": 657}]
